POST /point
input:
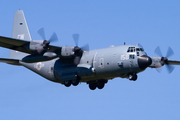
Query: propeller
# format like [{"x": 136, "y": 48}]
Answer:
[
  {"x": 76, "y": 39},
  {"x": 77, "y": 50},
  {"x": 46, "y": 43},
  {"x": 164, "y": 60}
]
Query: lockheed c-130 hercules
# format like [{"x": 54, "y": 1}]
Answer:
[{"x": 70, "y": 65}]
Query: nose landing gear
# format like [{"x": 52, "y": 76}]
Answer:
[{"x": 132, "y": 76}]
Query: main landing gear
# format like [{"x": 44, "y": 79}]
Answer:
[
  {"x": 133, "y": 76},
  {"x": 98, "y": 84},
  {"x": 75, "y": 82}
]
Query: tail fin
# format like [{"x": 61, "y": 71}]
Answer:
[{"x": 20, "y": 31}]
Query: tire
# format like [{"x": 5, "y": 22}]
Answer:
[
  {"x": 134, "y": 77},
  {"x": 92, "y": 86},
  {"x": 130, "y": 77},
  {"x": 100, "y": 85},
  {"x": 75, "y": 82},
  {"x": 67, "y": 83}
]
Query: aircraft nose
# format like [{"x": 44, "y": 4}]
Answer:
[{"x": 144, "y": 61}]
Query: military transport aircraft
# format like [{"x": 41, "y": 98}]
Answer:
[{"x": 70, "y": 65}]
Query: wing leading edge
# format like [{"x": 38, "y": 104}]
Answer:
[
  {"x": 10, "y": 61},
  {"x": 14, "y": 44},
  {"x": 172, "y": 62},
  {"x": 21, "y": 45}
]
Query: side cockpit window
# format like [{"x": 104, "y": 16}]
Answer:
[
  {"x": 131, "y": 49},
  {"x": 139, "y": 49}
]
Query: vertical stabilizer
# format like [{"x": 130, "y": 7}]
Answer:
[{"x": 20, "y": 31}]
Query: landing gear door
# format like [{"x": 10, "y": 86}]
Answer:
[{"x": 98, "y": 62}]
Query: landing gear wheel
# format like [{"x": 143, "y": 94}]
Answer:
[
  {"x": 100, "y": 85},
  {"x": 92, "y": 86},
  {"x": 67, "y": 83},
  {"x": 130, "y": 77},
  {"x": 75, "y": 82},
  {"x": 133, "y": 77}
]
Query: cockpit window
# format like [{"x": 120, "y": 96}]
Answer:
[
  {"x": 131, "y": 49},
  {"x": 139, "y": 49}
]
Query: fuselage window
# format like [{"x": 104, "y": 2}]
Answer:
[
  {"x": 137, "y": 53},
  {"x": 131, "y": 57}
]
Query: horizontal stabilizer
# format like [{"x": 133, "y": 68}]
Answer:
[{"x": 10, "y": 61}]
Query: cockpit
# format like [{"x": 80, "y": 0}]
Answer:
[{"x": 138, "y": 50}]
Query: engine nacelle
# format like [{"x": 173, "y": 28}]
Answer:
[
  {"x": 156, "y": 62},
  {"x": 67, "y": 51},
  {"x": 37, "y": 46}
]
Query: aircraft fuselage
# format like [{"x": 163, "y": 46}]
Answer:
[{"x": 100, "y": 64}]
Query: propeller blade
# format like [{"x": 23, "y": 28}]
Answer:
[
  {"x": 85, "y": 47},
  {"x": 158, "y": 51},
  {"x": 169, "y": 52},
  {"x": 159, "y": 69},
  {"x": 170, "y": 68},
  {"x": 77, "y": 60},
  {"x": 53, "y": 38},
  {"x": 42, "y": 33},
  {"x": 76, "y": 38}
]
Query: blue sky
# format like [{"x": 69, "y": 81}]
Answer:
[{"x": 25, "y": 95}]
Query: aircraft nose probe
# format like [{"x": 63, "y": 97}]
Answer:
[{"x": 144, "y": 61}]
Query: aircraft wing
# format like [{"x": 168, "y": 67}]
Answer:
[
  {"x": 172, "y": 62},
  {"x": 21, "y": 45},
  {"x": 14, "y": 44},
  {"x": 10, "y": 61}
]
